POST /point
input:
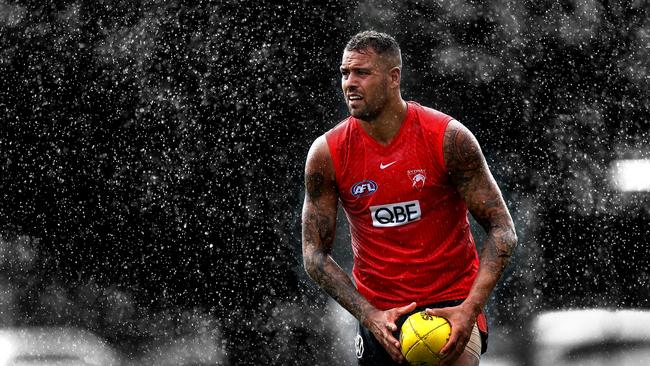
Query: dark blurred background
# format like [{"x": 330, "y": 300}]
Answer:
[{"x": 151, "y": 158}]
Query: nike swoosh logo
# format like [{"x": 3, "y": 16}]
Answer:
[{"x": 382, "y": 166}]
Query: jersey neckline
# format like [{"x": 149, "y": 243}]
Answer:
[{"x": 398, "y": 136}]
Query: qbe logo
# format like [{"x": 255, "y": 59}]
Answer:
[
  {"x": 395, "y": 214},
  {"x": 364, "y": 188}
]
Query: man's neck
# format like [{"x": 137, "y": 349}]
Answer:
[{"x": 386, "y": 126}]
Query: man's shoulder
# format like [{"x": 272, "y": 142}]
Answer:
[
  {"x": 340, "y": 125},
  {"x": 340, "y": 131},
  {"x": 332, "y": 135},
  {"x": 430, "y": 115}
]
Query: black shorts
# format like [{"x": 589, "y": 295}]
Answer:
[{"x": 371, "y": 352}]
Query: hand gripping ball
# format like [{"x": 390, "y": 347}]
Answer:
[{"x": 422, "y": 338}]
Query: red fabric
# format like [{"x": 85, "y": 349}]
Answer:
[
  {"x": 410, "y": 232},
  {"x": 481, "y": 321}
]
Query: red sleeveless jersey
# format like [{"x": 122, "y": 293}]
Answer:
[{"x": 411, "y": 237}]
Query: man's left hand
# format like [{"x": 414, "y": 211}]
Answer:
[{"x": 462, "y": 320}]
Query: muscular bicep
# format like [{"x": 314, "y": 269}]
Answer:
[
  {"x": 320, "y": 204},
  {"x": 471, "y": 176}
]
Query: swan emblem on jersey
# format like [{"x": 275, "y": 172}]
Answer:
[{"x": 418, "y": 177}]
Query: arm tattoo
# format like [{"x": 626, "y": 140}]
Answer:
[
  {"x": 319, "y": 228},
  {"x": 319, "y": 223},
  {"x": 461, "y": 150},
  {"x": 314, "y": 184},
  {"x": 470, "y": 174},
  {"x": 318, "y": 236},
  {"x": 338, "y": 285},
  {"x": 463, "y": 158},
  {"x": 497, "y": 250}
]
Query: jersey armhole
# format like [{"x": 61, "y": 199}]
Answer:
[
  {"x": 440, "y": 155},
  {"x": 331, "y": 146},
  {"x": 334, "y": 137}
]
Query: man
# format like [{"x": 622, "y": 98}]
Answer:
[{"x": 406, "y": 176}]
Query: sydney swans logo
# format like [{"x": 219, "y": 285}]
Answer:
[{"x": 418, "y": 177}]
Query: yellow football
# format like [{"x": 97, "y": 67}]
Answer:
[{"x": 422, "y": 338}]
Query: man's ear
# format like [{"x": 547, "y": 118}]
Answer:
[{"x": 395, "y": 76}]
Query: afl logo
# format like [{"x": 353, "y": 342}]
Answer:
[{"x": 364, "y": 188}]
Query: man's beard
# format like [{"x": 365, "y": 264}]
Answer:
[
  {"x": 365, "y": 114},
  {"x": 370, "y": 111}
]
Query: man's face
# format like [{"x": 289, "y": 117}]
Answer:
[{"x": 365, "y": 82}]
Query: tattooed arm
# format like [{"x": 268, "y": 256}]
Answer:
[
  {"x": 471, "y": 176},
  {"x": 318, "y": 225}
]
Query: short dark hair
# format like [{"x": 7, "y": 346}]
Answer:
[{"x": 381, "y": 43}]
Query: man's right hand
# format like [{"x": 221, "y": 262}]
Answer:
[{"x": 382, "y": 325}]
